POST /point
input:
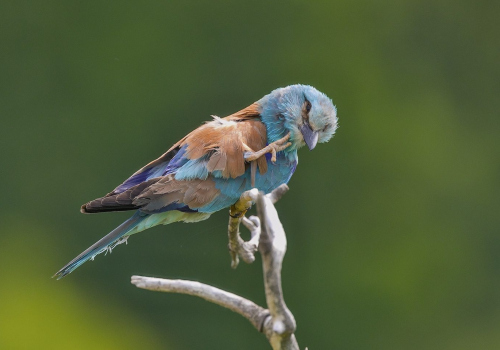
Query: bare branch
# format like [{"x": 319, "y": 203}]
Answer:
[
  {"x": 267, "y": 233},
  {"x": 246, "y": 308},
  {"x": 276, "y": 195},
  {"x": 253, "y": 225},
  {"x": 279, "y": 328}
]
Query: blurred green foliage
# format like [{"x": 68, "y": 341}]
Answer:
[{"x": 393, "y": 226}]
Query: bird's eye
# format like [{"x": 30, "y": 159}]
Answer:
[{"x": 308, "y": 106}]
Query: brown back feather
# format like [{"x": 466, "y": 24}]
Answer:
[
  {"x": 226, "y": 139},
  {"x": 194, "y": 193}
]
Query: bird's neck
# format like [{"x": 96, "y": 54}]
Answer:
[
  {"x": 276, "y": 128},
  {"x": 278, "y": 123}
]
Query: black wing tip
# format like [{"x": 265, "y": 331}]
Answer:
[
  {"x": 91, "y": 210},
  {"x": 114, "y": 201},
  {"x": 83, "y": 209}
]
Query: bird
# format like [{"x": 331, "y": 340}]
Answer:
[{"x": 211, "y": 167}]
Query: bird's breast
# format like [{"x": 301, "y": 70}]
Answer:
[
  {"x": 231, "y": 188},
  {"x": 277, "y": 173}
]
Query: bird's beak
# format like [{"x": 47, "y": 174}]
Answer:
[{"x": 310, "y": 136}]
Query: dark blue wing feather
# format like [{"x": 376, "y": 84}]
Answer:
[{"x": 166, "y": 164}]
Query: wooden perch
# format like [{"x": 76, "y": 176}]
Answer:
[{"x": 267, "y": 233}]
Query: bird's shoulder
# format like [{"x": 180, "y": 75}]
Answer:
[{"x": 222, "y": 142}]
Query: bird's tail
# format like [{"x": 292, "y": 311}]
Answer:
[{"x": 107, "y": 243}]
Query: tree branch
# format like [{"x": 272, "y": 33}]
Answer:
[
  {"x": 246, "y": 308},
  {"x": 276, "y": 322},
  {"x": 280, "y": 327}
]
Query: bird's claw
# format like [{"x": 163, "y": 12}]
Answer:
[
  {"x": 272, "y": 148},
  {"x": 245, "y": 249}
]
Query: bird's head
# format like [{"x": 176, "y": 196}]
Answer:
[{"x": 301, "y": 110}]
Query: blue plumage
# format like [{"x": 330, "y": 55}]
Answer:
[
  {"x": 208, "y": 170},
  {"x": 107, "y": 243}
]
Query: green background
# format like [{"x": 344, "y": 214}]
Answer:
[{"x": 393, "y": 226}]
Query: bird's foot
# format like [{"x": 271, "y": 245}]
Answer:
[
  {"x": 237, "y": 246},
  {"x": 272, "y": 148},
  {"x": 246, "y": 250}
]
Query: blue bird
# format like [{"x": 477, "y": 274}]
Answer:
[{"x": 213, "y": 165}]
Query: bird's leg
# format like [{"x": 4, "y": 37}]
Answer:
[
  {"x": 237, "y": 246},
  {"x": 253, "y": 172},
  {"x": 272, "y": 148}
]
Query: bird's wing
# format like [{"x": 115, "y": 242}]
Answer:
[
  {"x": 158, "y": 167},
  {"x": 220, "y": 145},
  {"x": 203, "y": 140},
  {"x": 183, "y": 177}
]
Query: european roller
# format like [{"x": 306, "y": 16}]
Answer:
[{"x": 212, "y": 166}]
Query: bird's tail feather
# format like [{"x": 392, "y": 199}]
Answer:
[{"x": 107, "y": 243}]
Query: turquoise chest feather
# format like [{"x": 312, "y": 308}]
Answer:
[{"x": 231, "y": 189}]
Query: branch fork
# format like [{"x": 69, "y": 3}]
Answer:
[{"x": 267, "y": 236}]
